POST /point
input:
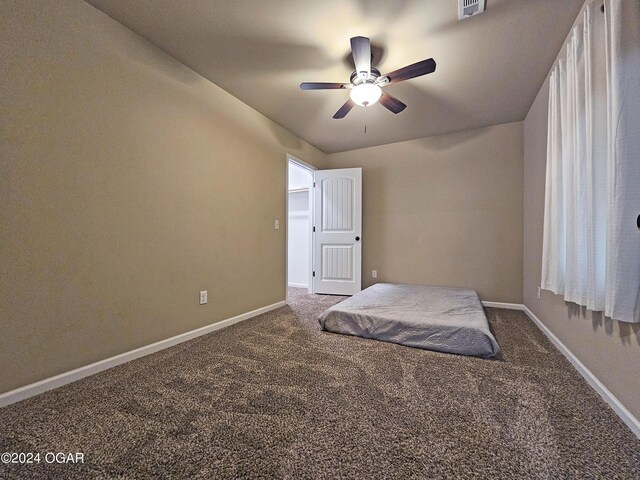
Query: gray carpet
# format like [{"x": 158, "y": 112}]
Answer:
[{"x": 274, "y": 397}]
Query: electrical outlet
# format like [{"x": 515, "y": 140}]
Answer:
[
  {"x": 374, "y": 274},
  {"x": 276, "y": 225},
  {"x": 203, "y": 297},
  {"x": 538, "y": 293}
]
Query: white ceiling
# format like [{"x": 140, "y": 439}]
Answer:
[{"x": 490, "y": 67}]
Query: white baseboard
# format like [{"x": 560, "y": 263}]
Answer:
[
  {"x": 509, "y": 306},
  {"x": 626, "y": 416},
  {"x": 298, "y": 285},
  {"x": 36, "y": 388}
]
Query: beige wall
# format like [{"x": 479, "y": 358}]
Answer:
[
  {"x": 444, "y": 210},
  {"x": 127, "y": 184},
  {"x": 610, "y": 349}
]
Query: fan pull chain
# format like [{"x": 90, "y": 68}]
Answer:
[{"x": 365, "y": 119}]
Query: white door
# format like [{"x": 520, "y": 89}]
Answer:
[{"x": 337, "y": 255}]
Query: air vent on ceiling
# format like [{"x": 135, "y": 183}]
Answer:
[{"x": 468, "y": 8}]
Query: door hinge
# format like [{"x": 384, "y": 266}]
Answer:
[
  {"x": 314, "y": 184},
  {"x": 314, "y": 273},
  {"x": 314, "y": 229}
]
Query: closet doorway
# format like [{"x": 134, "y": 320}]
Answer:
[{"x": 299, "y": 224}]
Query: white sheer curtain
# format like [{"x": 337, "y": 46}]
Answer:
[{"x": 591, "y": 246}]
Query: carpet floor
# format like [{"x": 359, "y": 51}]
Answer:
[{"x": 275, "y": 397}]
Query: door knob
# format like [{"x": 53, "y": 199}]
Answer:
[{"x": 357, "y": 239}]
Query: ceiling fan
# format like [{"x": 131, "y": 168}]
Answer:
[{"x": 366, "y": 82}]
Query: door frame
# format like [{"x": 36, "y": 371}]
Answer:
[{"x": 312, "y": 170}]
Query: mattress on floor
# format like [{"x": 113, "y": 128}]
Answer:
[{"x": 434, "y": 318}]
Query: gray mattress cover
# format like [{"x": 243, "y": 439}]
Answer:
[{"x": 434, "y": 318}]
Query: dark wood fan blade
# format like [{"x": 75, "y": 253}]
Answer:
[
  {"x": 361, "y": 50},
  {"x": 322, "y": 86},
  {"x": 344, "y": 109},
  {"x": 392, "y": 103},
  {"x": 412, "y": 71}
]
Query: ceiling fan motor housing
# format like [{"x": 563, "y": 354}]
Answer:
[{"x": 356, "y": 79}]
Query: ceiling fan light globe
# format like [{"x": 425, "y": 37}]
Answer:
[{"x": 365, "y": 94}]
